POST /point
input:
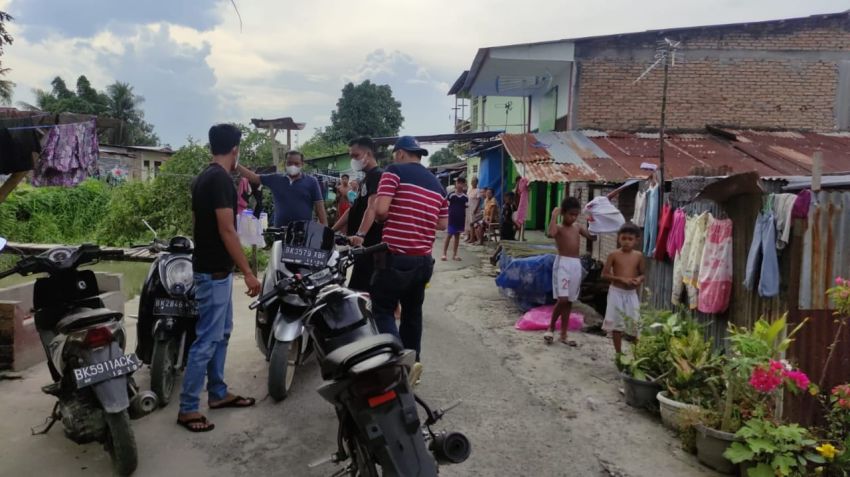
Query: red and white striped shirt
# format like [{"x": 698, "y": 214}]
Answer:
[{"x": 418, "y": 202}]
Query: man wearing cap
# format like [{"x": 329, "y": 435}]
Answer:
[{"x": 412, "y": 204}]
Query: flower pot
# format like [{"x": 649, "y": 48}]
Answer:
[
  {"x": 671, "y": 411},
  {"x": 711, "y": 444},
  {"x": 641, "y": 394},
  {"x": 744, "y": 468}
]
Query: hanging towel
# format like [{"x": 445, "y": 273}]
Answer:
[
  {"x": 680, "y": 259},
  {"x": 663, "y": 232},
  {"x": 640, "y": 209},
  {"x": 68, "y": 155},
  {"x": 690, "y": 274},
  {"x": 783, "y": 206},
  {"x": 603, "y": 216},
  {"x": 650, "y": 225},
  {"x": 677, "y": 234},
  {"x": 715, "y": 272},
  {"x": 802, "y": 205}
]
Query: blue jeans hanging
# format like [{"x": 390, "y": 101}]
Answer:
[{"x": 763, "y": 250}]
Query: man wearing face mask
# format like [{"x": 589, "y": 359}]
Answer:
[
  {"x": 296, "y": 196},
  {"x": 359, "y": 220}
]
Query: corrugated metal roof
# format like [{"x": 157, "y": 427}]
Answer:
[{"x": 790, "y": 153}]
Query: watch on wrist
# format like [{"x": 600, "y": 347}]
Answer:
[{"x": 360, "y": 234}]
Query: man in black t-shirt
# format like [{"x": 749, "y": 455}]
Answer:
[
  {"x": 217, "y": 248},
  {"x": 359, "y": 220}
]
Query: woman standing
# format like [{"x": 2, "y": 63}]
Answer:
[
  {"x": 521, "y": 192},
  {"x": 472, "y": 208}
]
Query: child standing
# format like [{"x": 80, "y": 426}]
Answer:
[
  {"x": 507, "y": 231},
  {"x": 625, "y": 270},
  {"x": 567, "y": 271},
  {"x": 457, "y": 217}
]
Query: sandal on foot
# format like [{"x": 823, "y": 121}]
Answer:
[
  {"x": 457, "y": 259},
  {"x": 188, "y": 424},
  {"x": 237, "y": 401},
  {"x": 570, "y": 343},
  {"x": 548, "y": 337},
  {"x": 444, "y": 258}
]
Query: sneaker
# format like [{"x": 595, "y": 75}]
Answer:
[{"x": 415, "y": 374}]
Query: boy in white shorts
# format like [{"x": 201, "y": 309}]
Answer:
[
  {"x": 567, "y": 271},
  {"x": 625, "y": 270}
]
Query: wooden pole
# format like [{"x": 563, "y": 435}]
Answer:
[
  {"x": 662, "y": 128},
  {"x": 11, "y": 182},
  {"x": 817, "y": 170}
]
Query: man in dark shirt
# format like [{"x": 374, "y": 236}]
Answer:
[
  {"x": 217, "y": 248},
  {"x": 359, "y": 220},
  {"x": 296, "y": 195}
]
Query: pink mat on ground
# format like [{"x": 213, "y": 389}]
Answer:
[{"x": 538, "y": 319}]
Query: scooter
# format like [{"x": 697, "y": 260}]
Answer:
[
  {"x": 84, "y": 342},
  {"x": 168, "y": 314},
  {"x": 366, "y": 374},
  {"x": 280, "y": 332}
]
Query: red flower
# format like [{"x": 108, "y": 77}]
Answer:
[
  {"x": 799, "y": 378},
  {"x": 766, "y": 380}
]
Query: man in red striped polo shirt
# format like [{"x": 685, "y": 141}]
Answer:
[{"x": 413, "y": 206}]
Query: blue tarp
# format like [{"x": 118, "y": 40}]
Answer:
[
  {"x": 490, "y": 172},
  {"x": 527, "y": 280}
]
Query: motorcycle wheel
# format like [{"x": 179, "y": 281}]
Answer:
[
  {"x": 163, "y": 371},
  {"x": 282, "y": 364},
  {"x": 361, "y": 461},
  {"x": 120, "y": 443}
]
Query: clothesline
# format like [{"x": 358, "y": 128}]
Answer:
[{"x": 46, "y": 126}]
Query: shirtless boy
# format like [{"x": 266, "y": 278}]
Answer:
[
  {"x": 625, "y": 270},
  {"x": 567, "y": 271}
]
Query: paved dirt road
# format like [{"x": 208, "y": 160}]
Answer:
[{"x": 529, "y": 410}]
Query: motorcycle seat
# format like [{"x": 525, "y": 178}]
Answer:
[
  {"x": 342, "y": 359},
  {"x": 84, "y": 317}
]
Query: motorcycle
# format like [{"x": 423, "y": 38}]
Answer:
[
  {"x": 366, "y": 374},
  {"x": 279, "y": 328},
  {"x": 168, "y": 314},
  {"x": 84, "y": 342}
]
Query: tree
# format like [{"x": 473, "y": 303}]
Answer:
[
  {"x": 321, "y": 145},
  {"x": 6, "y": 86},
  {"x": 367, "y": 109},
  {"x": 125, "y": 106},
  {"x": 442, "y": 157}
]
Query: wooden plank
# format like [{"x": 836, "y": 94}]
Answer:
[{"x": 10, "y": 184}]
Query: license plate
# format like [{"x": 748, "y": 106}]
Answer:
[
  {"x": 172, "y": 307},
  {"x": 307, "y": 257},
  {"x": 95, "y": 373}
]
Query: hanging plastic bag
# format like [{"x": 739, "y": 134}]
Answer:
[
  {"x": 603, "y": 217},
  {"x": 538, "y": 319},
  {"x": 249, "y": 229}
]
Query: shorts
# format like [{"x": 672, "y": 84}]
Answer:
[
  {"x": 567, "y": 274},
  {"x": 455, "y": 229},
  {"x": 623, "y": 310}
]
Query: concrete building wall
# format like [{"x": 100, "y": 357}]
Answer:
[
  {"x": 488, "y": 114},
  {"x": 778, "y": 75}
]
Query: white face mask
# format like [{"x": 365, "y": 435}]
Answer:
[
  {"x": 357, "y": 166},
  {"x": 293, "y": 170}
]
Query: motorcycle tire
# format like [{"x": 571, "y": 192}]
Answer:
[
  {"x": 282, "y": 364},
  {"x": 362, "y": 464},
  {"x": 121, "y": 443},
  {"x": 163, "y": 371}
]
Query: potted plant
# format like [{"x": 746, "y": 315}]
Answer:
[
  {"x": 768, "y": 449},
  {"x": 835, "y": 449},
  {"x": 694, "y": 381},
  {"x": 740, "y": 400}
]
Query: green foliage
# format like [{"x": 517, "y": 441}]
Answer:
[
  {"x": 650, "y": 359},
  {"x": 696, "y": 375},
  {"x": 321, "y": 145},
  {"x": 777, "y": 450},
  {"x": 256, "y": 148},
  {"x": 367, "y": 109},
  {"x": 442, "y": 157}
]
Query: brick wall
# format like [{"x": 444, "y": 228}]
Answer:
[{"x": 777, "y": 75}]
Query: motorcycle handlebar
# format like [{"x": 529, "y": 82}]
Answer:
[
  {"x": 381, "y": 247},
  {"x": 268, "y": 297},
  {"x": 111, "y": 254},
  {"x": 8, "y": 272}
]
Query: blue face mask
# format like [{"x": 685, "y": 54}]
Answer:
[{"x": 352, "y": 195}]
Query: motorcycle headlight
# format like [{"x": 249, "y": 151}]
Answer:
[{"x": 178, "y": 276}]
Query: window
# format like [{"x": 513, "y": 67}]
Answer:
[
  {"x": 146, "y": 166},
  {"x": 156, "y": 166},
  {"x": 475, "y": 169}
]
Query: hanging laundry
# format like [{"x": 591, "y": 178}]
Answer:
[
  {"x": 603, "y": 216},
  {"x": 68, "y": 155},
  {"x": 762, "y": 259},
  {"x": 677, "y": 234},
  {"x": 802, "y": 205},
  {"x": 243, "y": 193},
  {"x": 690, "y": 272},
  {"x": 19, "y": 140},
  {"x": 257, "y": 194},
  {"x": 664, "y": 232},
  {"x": 783, "y": 206},
  {"x": 640, "y": 209},
  {"x": 680, "y": 259},
  {"x": 650, "y": 224},
  {"x": 715, "y": 272}
]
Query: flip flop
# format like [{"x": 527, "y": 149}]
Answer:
[
  {"x": 208, "y": 426},
  {"x": 237, "y": 401},
  {"x": 457, "y": 259},
  {"x": 548, "y": 337},
  {"x": 569, "y": 343},
  {"x": 444, "y": 258}
]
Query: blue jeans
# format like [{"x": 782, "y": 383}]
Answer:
[
  {"x": 208, "y": 352},
  {"x": 401, "y": 280},
  {"x": 763, "y": 249}
]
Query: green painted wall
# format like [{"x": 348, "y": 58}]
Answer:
[{"x": 489, "y": 114}]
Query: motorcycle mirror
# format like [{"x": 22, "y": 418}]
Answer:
[
  {"x": 155, "y": 236},
  {"x": 3, "y": 243}
]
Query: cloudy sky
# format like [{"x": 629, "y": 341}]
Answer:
[{"x": 194, "y": 66}]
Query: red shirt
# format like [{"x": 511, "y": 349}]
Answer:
[{"x": 418, "y": 202}]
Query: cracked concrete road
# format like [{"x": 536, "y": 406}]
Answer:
[{"x": 529, "y": 410}]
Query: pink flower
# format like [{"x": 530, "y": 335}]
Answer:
[
  {"x": 766, "y": 380},
  {"x": 839, "y": 281},
  {"x": 799, "y": 378}
]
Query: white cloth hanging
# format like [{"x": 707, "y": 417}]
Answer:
[
  {"x": 603, "y": 216},
  {"x": 640, "y": 209},
  {"x": 249, "y": 229}
]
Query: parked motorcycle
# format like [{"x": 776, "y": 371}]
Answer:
[
  {"x": 365, "y": 373},
  {"x": 84, "y": 342},
  {"x": 168, "y": 314}
]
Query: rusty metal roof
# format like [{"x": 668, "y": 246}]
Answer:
[{"x": 600, "y": 156}]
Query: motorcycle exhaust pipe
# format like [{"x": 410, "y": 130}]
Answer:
[
  {"x": 450, "y": 447},
  {"x": 143, "y": 403}
]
